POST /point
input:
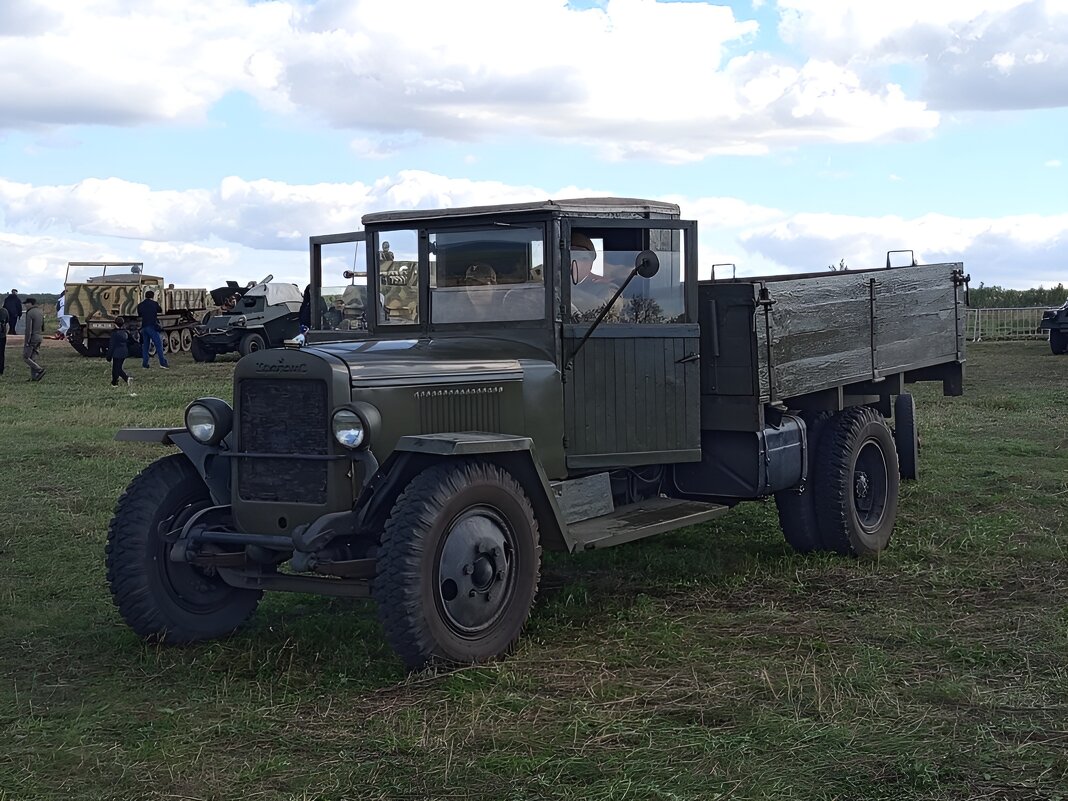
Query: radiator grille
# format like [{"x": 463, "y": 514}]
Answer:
[
  {"x": 283, "y": 417},
  {"x": 460, "y": 409}
]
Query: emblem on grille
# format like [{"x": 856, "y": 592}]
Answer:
[{"x": 280, "y": 367}]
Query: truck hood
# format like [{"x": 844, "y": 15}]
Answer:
[{"x": 436, "y": 361}]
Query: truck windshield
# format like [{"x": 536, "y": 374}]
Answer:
[
  {"x": 83, "y": 272},
  {"x": 487, "y": 275}
]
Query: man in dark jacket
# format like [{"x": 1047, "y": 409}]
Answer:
[
  {"x": 149, "y": 311},
  {"x": 4, "y": 317},
  {"x": 14, "y": 309}
]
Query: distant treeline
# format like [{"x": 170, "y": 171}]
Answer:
[
  {"x": 995, "y": 297},
  {"x": 44, "y": 299},
  {"x": 982, "y": 297}
]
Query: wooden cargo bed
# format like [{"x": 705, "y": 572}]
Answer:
[{"x": 802, "y": 341}]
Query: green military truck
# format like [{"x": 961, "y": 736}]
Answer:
[
  {"x": 96, "y": 292},
  {"x": 1056, "y": 322},
  {"x": 554, "y": 377}
]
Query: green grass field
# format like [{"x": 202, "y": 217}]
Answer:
[{"x": 711, "y": 663}]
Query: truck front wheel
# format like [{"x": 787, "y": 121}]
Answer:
[
  {"x": 458, "y": 565},
  {"x": 857, "y": 482},
  {"x": 161, "y": 600}
]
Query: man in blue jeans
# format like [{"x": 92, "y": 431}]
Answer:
[{"x": 149, "y": 312}]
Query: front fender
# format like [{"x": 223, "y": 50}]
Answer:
[
  {"x": 207, "y": 460},
  {"x": 515, "y": 454}
]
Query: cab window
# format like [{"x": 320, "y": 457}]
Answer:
[
  {"x": 487, "y": 275},
  {"x": 397, "y": 254},
  {"x": 601, "y": 260},
  {"x": 343, "y": 294}
]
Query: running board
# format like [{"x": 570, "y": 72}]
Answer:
[{"x": 637, "y": 520}]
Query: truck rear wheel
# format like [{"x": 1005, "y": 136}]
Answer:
[
  {"x": 199, "y": 352},
  {"x": 458, "y": 565},
  {"x": 797, "y": 508},
  {"x": 1058, "y": 341},
  {"x": 857, "y": 483},
  {"x": 161, "y": 600},
  {"x": 906, "y": 437},
  {"x": 250, "y": 343}
]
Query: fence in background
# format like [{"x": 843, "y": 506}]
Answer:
[{"x": 992, "y": 324}]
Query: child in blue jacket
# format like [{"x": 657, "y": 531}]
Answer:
[{"x": 122, "y": 340}]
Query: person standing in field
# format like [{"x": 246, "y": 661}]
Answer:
[
  {"x": 62, "y": 317},
  {"x": 34, "y": 334},
  {"x": 4, "y": 317},
  {"x": 149, "y": 311},
  {"x": 119, "y": 351},
  {"x": 14, "y": 309}
]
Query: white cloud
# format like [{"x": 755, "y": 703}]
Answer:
[
  {"x": 972, "y": 54},
  {"x": 632, "y": 78},
  {"x": 1003, "y": 62},
  {"x": 1016, "y": 251},
  {"x": 1053, "y": 163},
  {"x": 125, "y": 63},
  {"x": 243, "y": 229}
]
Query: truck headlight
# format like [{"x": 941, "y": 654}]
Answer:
[
  {"x": 350, "y": 430},
  {"x": 208, "y": 420}
]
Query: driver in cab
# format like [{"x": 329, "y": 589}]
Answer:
[{"x": 589, "y": 292}]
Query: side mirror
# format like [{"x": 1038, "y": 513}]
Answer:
[{"x": 646, "y": 264}]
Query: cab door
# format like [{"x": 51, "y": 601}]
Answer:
[{"x": 632, "y": 388}]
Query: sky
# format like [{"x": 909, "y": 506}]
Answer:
[{"x": 210, "y": 138}]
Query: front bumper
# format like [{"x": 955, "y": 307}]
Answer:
[{"x": 221, "y": 341}]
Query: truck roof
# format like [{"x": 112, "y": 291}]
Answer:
[
  {"x": 105, "y": 264},
  {"x": 582, "y": 206},
  {"x": 121, "y": 278}
]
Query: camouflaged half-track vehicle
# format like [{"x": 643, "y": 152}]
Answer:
[
  {"x": 552, "y": 376},
  {"x": 1056, "y": 322},
  {"x": 250, "y": 319},
  {"x": 97, "y": 292}
]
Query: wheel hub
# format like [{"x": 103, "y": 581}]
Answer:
[
  {"x": 862, "y": 485},
  {"x": 870, "y": 485},
  {"x": 191, "y": 587},
  {"x": 475, "y": 570},
  {"x": 482, "y": 574}
]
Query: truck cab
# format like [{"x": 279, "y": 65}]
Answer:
[
  {"x": 490, "y": 292},
  {"x": 510, "y": 378}
]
